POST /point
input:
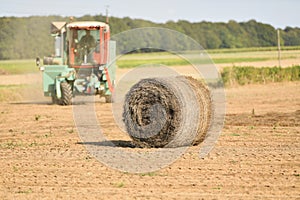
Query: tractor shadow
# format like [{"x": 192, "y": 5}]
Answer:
[
  {"x": 49, "y": 103},
  {"x": 32, "y": 103}
]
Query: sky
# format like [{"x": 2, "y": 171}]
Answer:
[{"x": 278, "y": 13}]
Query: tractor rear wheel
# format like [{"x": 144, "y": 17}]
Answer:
[{"x": 66, "y": 94}]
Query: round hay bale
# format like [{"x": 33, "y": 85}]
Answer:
[{"x": 167, "y": 112}]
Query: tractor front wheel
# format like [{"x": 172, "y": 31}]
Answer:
[
  {"x": 66, "y": 94},
  {"x": 108, "y": 99}
]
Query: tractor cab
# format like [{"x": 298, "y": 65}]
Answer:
[{"x": 88, "y": 44}]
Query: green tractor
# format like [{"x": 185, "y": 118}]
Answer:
[{"x": 83, "y": 63}]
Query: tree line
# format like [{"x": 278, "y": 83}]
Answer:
[{"x": 28, "y": 37}]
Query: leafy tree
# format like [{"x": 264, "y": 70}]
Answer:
[
  {"x": 291, "y": 36},
  {"x": 28, "y": 37}
]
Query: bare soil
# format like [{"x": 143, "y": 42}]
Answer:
[{"x": 257, "y": 155}]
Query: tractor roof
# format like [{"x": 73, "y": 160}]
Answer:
[{"x": 87, "y": 25}]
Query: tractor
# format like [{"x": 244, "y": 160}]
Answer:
[{"x": 83, "y": 62}]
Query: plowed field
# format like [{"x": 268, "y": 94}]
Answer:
[{"x": 257, "y": 155}]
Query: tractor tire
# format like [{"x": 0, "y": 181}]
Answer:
[
  {"x": 108, "y": 99},
  {"x": 66, "y": 94}
]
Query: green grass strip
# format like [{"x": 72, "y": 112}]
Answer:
[
  {"x": 17, "y": 66},
  {"x": 249, "y": 75}
]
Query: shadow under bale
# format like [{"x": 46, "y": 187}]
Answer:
[
  {"x": 167, "y": 112},
  {"x": 112, "y": 143}
]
